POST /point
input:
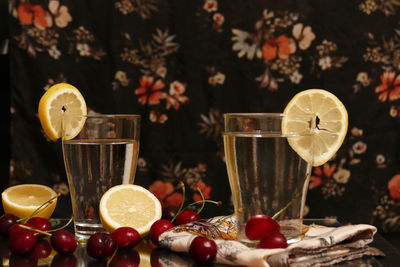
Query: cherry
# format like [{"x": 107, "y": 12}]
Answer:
[
  {"x": 6, "y": 221},
  {"x": 39, "y": 223},
  {"x": 169, "y": 213},
  {"x": 273, "y": 240},
  {"x": 187, "y": 216},
  {"x": 126, "y": 237},
  {"x": 260, "y": 225},
  {"x": 42, "y": 249},
  {"x": 22, "y": 241},
  {"x": 101, "y": 245},
  {"x": 63, "y": 241},
  {"x": 125, "y": 258},
  {"x": 203, "y": 250},
  {"x": 64, "y": 260},
  {"x": 16, "y": 227},
  {"x": 159, "y": 227}
]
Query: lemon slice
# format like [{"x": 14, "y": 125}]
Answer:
[
  {"x": 328, "y": 129},
  {"x": 61, "y": 99},
  {"x": 129, "y": 205},
  {"x": 22, "y": 200}
]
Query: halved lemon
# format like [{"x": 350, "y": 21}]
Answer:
[
  {"x": 129, "y": 205},
  {"x": 61, "y": 99},
  {"x": 22, "y": 200},
  {"x": 328, "y": 129}
]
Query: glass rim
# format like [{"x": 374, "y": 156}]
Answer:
[
  {"x": 104, "y": 115},
  {"x": 255, "y": 114}
]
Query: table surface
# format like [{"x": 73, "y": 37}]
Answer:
[{"x": 168, "y": 258}]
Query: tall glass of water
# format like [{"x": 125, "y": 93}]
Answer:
[
  {"x": 266, "y": 175},
  {"x": 102, "y": 155}
]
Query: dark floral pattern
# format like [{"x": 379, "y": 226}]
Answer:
[{"x": 182, "y": 64}]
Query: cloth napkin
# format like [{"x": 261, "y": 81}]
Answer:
[{"x": 319, "y": 246}]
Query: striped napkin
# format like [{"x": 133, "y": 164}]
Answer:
[{"x": 320, "y": 246}]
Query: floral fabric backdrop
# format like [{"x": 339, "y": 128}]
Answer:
[{"x": 182, "y": 64}]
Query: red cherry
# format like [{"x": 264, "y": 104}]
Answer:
[
  {"x": 64, "y": 260},
  {"x": 273, "y": 240},
  {"x": 6, "y": 221},
  {"x": 42, "y": 249},
  {"x": 125, "y": 258},
  {"x": 203, "y": 250},
  {"x": 63, "y": 241},
  {"x": 169, "y": 213},
  {"x": 101, "y": 245},
  {"x": 126, "y": 237},
  {"x": 187, "y": 216},
  {"x": 22, "y": 241},
  {"x": 159, "y": 227},
  {"x": 260, "y": 225},
  {"x": 16, "y": 227},
  {"x": 39, "y": 223}
]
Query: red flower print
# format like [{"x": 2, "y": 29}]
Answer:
[
  {"x": 29, "y": 14},
  {"x": 154, "y": 117},
  {"x": 321, "y": 175},
  {"x": 210, "y": 5},
  {"x": 394, "y": 187},
  {"x": 173, "y": 200},
  {"x": 205, "y": 190},
  {"x": 389, "y": 87},
  {"x": 176, "y": 97},
  {"x": 279, "y": 46},
  {"x": 165, "y": 193},
  {"x": 150, "y": 90}
]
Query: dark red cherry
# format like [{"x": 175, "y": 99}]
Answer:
[
  {"x": 187, "y": 216},
  {"x": 273, "y": 240},
  {"x": 169, "y": 213},
  {"x": 101, "y": 245},
  {"x": 203, "y": 250},
  {"x": 125, "y": 258},
  {"x": 159, "y": 227},
  {"x": 42, "y": 249},
  {"x": 39, "y": 223},
  {"x": 22, "y": 241},
  {"x": 126, "y": 237},
  {"x": 6, "y": 221},
  {"x": 63, "y": 241},
  {"x": 260, "y": 225}
]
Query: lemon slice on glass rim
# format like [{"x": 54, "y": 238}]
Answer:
[
  {"x": 59, "y": 100},
  {"x": 328, "y": 128}
]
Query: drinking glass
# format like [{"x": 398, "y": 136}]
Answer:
[
  {"x": 102, "y": 155},
  {"x": 266, "y": 175}
]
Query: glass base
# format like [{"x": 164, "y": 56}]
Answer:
[{"x": 84, "y": 230}]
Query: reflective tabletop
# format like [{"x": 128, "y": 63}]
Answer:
[{"x": 146, "y": 254}]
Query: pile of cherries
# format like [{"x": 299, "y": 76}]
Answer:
[{"x": 27, "y": 238}]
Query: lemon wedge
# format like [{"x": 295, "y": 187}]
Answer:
[
  {"x": 22, "y": 200},
  {"x": 129, "y": 205},
  {"x": 328, "y": 130},
  {"x": 61, "y": 99}
]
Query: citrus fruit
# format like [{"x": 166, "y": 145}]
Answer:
[
  {"x": 59, "y": 100},
  {"x": 328, "y": 126},
  {"x": 129, "y": 205},
  {"x": 22, "y": 200}
]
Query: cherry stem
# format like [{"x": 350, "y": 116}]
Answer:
[
  {"x": 41, "y": 207},
  {"x": 206, "y": 200},
  {"x": 287, "y": 206},
  {"x": 183, "y": 201},
  {"x": 62, "y": 227},
  {"x": 34, "y": 229}
]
